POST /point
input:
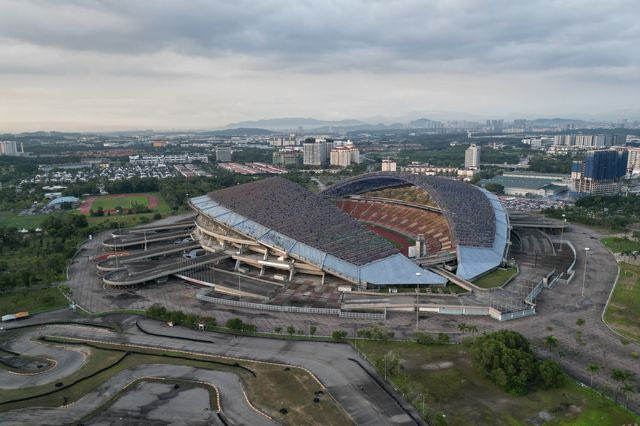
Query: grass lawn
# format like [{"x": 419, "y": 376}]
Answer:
[
  {"x": 111, "y": 202},
  {"x": 272, "y": 385},
  {"x": 444, "y": 374},
  {"x": 496, "y": 278},
  {"x": 27, "y": 222},
  {"x": 619, "y": 245},
  {"x": 128, "y": 219},
  {"x": 623, "y": 311},
  {"x": 31, "y": 300}
]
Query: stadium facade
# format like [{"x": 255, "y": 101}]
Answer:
[{"x": 277, "y": 224}]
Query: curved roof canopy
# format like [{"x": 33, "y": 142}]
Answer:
[
  {"x": 284, "y": 215},
  {"x": 478, "y": 221}
]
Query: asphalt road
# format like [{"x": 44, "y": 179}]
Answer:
[
  {"x": 350, "y": 383},
  {"x": 558, "y": 310},
  {"x": 234, "y": 405}
]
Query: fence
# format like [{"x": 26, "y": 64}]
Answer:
[{"x": 267, "y": 307}]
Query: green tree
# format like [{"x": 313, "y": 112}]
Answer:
[
  {"x": 291, "y": 330},
  {"x": 496, "y": 188},
  {"x": 592, "y": 369}
]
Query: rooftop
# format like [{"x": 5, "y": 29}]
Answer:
[{"x": 292, "y": 210}]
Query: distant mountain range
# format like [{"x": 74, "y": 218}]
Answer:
[{"x": 293, "y": 123}]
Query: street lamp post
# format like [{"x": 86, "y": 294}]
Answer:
[
  {"x": 584, "y": 275},
  {"x": 564, "y": 223},
  {"x": 418, "y": 274}
]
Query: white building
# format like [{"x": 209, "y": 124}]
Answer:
[
  {"x": 472, "y": 157},
  {"x": 282, "y": 141},
  {"x": 389, "y": 165},
  {"x": 633, "y": 164},
  {"x": 10, "y": 148},
  {"x": 168, "y": 159},
  {"x": 344, "y": 155}
]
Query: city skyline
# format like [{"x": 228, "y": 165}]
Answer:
[{"x": 74, "y": 66}]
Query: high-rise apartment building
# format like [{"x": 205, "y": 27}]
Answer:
[
  {"x": 287, "y": 157},
  {"x": 600, "y": 172},
  {"x": 388, "y": 165},
  {"x": 223, "y": 154},
  {"x": 344, "y": 155},
  {"x": 316, "y": 153},
  {"x": 589, "y": 141},
  {"x": 472, "y": 157},
  {"x": 10, "y": 148}
]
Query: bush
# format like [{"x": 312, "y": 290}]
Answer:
[
  {"x": 236, "y": 324},
  {"x": 376, "y": 333},
  {"x": 291, "y": 330},
  {"x": 159, "y": 312},
  {"x": 312, "y": 330},
  {"x": 424, "y": 338},
  {"x": 443, "y": 338},
  {"x": 277, "y": 330},
  {"x": 157, "y": 216},
  {"x": 339, "y": 335}
]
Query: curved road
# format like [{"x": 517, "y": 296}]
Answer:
[
  {"x": 351, "y": 384},
  {"x": 234, "y": 405}
]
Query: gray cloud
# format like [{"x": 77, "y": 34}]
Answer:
[
  {"x": 411, "y": 51},
  {"x": 372, "y": 35}
]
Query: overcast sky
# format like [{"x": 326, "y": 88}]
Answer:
[{"x": 103, "y": 65}]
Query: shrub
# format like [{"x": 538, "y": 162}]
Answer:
[
  {"x": 159, "y": 312},
  {"x": 443, "y": 338},
  {"x": 157, "y": 216},
  {"x": 339, "y": 335},
  {"x": 376, "y": 333},
  {"x": 277, "y": 330},
  {"x": 424, "y": 338},
  {"x": 291, "y": 330},
  {"x": 234, "y": 324},
  {"x": 580, "y": 321},
  {"x": 312, "y": 330}
]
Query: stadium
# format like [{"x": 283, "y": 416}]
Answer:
[{"x": 372, "y": 231}]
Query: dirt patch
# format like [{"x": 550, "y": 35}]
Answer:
[
  {"x": 437, "y": 365},
  {"x": 85, "y": 207}
]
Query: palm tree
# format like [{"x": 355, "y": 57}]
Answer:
[
  {"x": 592, "y": 369},
  {"x": 462, "y": 327},
  {"x": 620, "y": 377},
  {"x": 627, "y": 388},
  {"x": 473, "y": 329}
]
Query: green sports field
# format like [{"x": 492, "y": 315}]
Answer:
[{"x": 112, "y": 202}]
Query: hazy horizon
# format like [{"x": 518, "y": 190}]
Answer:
[{"x": 100, "y": 66}]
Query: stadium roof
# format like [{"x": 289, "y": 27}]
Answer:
[
  {"x": 61, "y": 200},
  {"x": 478, "y": 221},
  {"x": 287, "y": 207},
  {"x": 307, "y": 226}
]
